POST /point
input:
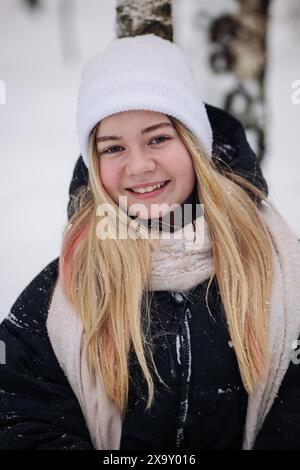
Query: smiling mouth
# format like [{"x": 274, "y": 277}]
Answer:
[{"x": 143, "y": 192}]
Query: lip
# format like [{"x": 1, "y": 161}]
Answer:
[
  {"x": 149, "y": 195},
  {"x": 144, "y": 185}
]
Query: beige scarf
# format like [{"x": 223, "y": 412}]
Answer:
[{"x": 175, "y": 267}]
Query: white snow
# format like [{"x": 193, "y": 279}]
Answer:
[{"x": 178, "y": 348}]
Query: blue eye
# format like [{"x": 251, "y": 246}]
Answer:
[
  {"x": 109, "y": 148},
  {"x": 118, "y": 146},
  {"x": 160, "y": 137}
]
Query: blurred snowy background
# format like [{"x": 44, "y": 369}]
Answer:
[{"x": 41, "y": 54}]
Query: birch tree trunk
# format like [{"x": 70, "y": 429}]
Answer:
[
  {"x": 137, "y": 17},
  {"x": 66, "y": 21},
  {"x": 237, "y": 40}
]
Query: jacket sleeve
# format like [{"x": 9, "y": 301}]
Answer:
[
  {"x": 38, "y": 409},
  {"x": 281, "y": 428}
]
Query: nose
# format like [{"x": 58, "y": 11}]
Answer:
[{"x": 139, "y": 162}]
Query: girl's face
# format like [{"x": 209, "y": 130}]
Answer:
[{"x": 138, "y": 149}]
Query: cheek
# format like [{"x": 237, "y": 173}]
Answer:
[
  {"x": 110, "y": 178},
  {"x": 180, "y": 165},
  {"x": 189, "y": 173}
]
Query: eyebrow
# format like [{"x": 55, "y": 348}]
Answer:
[{"x": 144, "y": 131}]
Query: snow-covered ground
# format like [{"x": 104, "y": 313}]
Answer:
[{"x": 38, "y": 141}]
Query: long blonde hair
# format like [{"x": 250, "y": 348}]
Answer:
[{"x": 106, "y": 280}]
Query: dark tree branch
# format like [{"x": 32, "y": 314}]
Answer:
[{"x": 33, "y": 4}]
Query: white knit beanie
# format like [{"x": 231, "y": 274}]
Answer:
[{"x": 141, "y": 72}]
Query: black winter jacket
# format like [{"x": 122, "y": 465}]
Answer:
[{"x": 38, "y": 409}]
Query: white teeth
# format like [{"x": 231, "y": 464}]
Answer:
[{"x": 148, "y": 189}]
